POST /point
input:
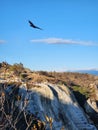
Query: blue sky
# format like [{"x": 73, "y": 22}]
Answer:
[{"x": 68, "y": 41}]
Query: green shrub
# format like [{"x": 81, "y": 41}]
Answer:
[{"x": 83, "y": 90}]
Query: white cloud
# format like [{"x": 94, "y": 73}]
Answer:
[
  {"x": 62, "y": 41},
  {"x": 2, "y": 41}
]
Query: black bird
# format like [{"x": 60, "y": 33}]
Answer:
[{"x": 32, "y": 25}]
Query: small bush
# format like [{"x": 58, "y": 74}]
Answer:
[
  {"x": 17, "y": 69},
  {"x": 82, "y": 90}
]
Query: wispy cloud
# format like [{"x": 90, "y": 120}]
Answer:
[
  {"x": 63, "y": 41},
  {"x": 2, "y": 41}
]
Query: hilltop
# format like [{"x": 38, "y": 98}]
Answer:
[
  {"x": 80, "y": 88},
  {"x": 17, "y": 72},
  {"x": 70, "y": 78}
]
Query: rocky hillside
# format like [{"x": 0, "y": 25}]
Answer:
[{"x": 47, "y": 100}]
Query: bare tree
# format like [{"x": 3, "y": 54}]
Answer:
[{"x": 13, "y": 118}]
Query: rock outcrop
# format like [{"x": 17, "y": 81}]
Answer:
[
  {"x": 39, "y": 101},
  {"x": 91, "y": 105},
  {"x": 53, "y": 106}
]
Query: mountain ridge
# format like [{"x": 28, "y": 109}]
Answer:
[{"x": 89, "y": 71}]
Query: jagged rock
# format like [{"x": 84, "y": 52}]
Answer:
[
  {"x": 91, "y": 106},
  {"x": 94, "y": 90},
  {"x": 52, "y": 105}
]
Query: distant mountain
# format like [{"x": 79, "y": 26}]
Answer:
[{"x": 92, "y": 71}]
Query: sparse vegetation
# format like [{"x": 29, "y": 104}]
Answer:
[
  {"x": 17, "y": 69},
  {"x": 83, "y": 90}
]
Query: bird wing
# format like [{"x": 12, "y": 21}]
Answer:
[
  {"x": 38, "y": 28},
  {"x": 32, "y": 25}
]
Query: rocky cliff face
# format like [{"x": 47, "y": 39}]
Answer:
[
  {"x": 53, "y": 106},
  {"x": 39, "y": 100},
  {"x": 91, "y": 105}
]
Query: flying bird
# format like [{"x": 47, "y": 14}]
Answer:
[{"x": 32, "y": 25}]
